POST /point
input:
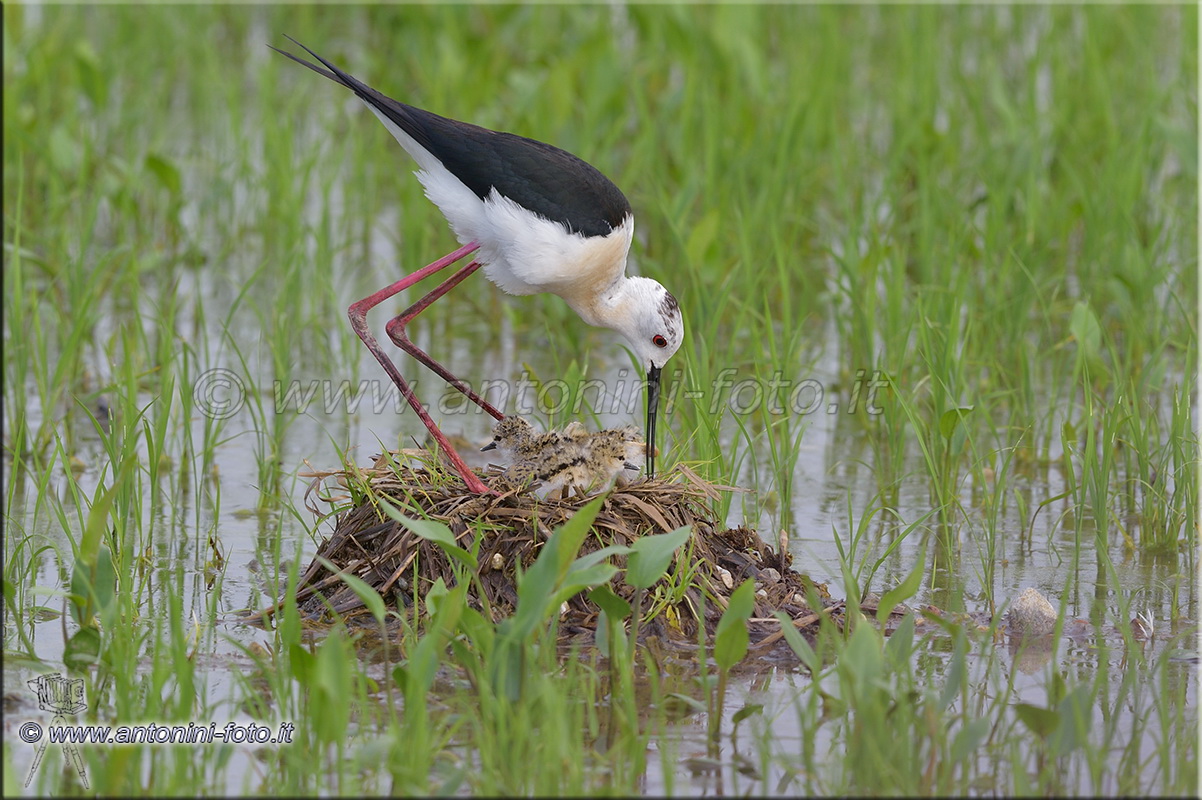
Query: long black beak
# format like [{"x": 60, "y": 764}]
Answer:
[{"x": 652, "y": 410}]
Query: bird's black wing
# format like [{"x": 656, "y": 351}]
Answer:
[{"x": 540, "y": 177}]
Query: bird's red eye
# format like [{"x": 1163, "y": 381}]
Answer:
[{"x": 659, "y": 341}]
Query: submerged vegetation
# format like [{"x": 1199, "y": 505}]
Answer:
[{"x": 939, "y": 274}]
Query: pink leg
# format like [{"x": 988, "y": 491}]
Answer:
[
  {"x": 358, "y": 316},
  {"x": 396, "y": 332}
]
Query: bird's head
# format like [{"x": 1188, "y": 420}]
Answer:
[
  {"x": 509, "y": 432},
  {"x": 653, "y": 325}
]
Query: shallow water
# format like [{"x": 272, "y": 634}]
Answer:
[{"x": 834, "y": 464}]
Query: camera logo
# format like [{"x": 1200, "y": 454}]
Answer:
[{"x": 63, "y": 697}]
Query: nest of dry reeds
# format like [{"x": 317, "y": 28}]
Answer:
[{"x": 402, "y": 566}]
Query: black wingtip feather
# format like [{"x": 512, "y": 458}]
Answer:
[
  {"x": 332, "y": 72},
  {"x": 324, "y": 72}
]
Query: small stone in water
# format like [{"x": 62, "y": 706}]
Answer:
[{"x": 1031, "y": 614}]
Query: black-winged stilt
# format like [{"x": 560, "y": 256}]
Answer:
[{"x": 539, "y": 219}]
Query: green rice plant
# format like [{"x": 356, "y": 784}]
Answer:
[
  {"x": 855, "y": 554},
  {"x": 730, "y": 647},
  {"x": 1159, "y": 484}
]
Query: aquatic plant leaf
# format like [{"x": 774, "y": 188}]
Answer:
[
  {"x": 651, "y": 555},
  {"x": 1084, "y": 327},
  {"x": 539, "y": 586},
  {"x": 370, "y": 597},
  {"x": 610, "y": 603},
  {"x": 592, "y": 558},
  {"x": 82, "y": 649},
  {"x": 797, "y": 643},
  {"x": 580, "y": 578},
  {"x": 166, "y": 173},
  {"x": 435, "y": 532},
  {"x": 1075, "y": 715},
  {"x": 1039, "y": 720},
  {"x": 689, "y": 705},
  {"x": 900, "y": 646},
  {"x": 423, "y": 663},
  {"x": 745, "y": 712},
  {"x": 613, "y": 610},
  {"x": 957, "y": 668},
  {"x": 731, "y": 637},
  {"x": 968, "y": 738},
  {"x": 902, "y": 592},
  {"x": 93, "y": 587},
  {"x": 862, "y": 660},
  {"x": 950, "y": 420},
  {"x": 479, "y": 630},
  {"x": 65, "y": 151}
]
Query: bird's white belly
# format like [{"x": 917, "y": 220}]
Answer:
[{"x": 524, "y": 253}]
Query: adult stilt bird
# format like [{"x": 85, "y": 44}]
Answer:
[{"x": 538, "y": 219}]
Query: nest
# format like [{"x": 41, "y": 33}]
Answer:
[{"x": 510, "y": 530}]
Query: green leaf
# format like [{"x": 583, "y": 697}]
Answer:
[
  {"x": 580, "y": 578},
  {"x": 693, "y": 704},
  {"x": 600, "y": 555},
  {"x": 370, "y": 597},
  {"x": 433, "y": 531},
  {"x": 434, "y": 596},
  {"x": 731, "y": 637},
  {"x": 613, "y": 610},
  {"x": 539, "y": 587},
  {"x": 92, "y": 77},
  {"x": 1040, "y": 721},
  {"x": 610, "y": 603},
  {"x": 83, "y": 648},
  {"x": 601, "y": 636},
  {"x": 1084, "y": 327},
  {"x": 862, "y": 659},
  {"x": 951, "y": 419},
  {"x": 479, "y": 630},
  {"x": 1075, "y": 713},
  {"x": 702, "y": 235},
  {"x": 166, "y": 172},
  {"x": 798, "y": 643},
  {"x": 745, "y": 712},
  {"x": 902, "y": 592},
  {"x": 651, "y": 555},
  {"x": 969, "y": 738},
  {"x": 98, "y": 515},
  {"x": 426, "y": 657},
  {"x": 900, "y": 645},
  {"x": 301, "y": 663},
  {"x": 953, "y": 676},
  {"x": 93, "y": 588}
]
